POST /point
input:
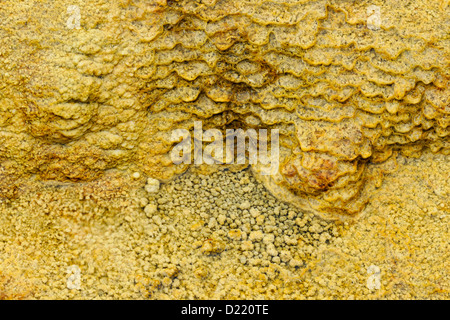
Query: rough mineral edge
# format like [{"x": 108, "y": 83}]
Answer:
[{"x": 76, "y": 103}]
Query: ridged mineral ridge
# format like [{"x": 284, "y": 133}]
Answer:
[{"x": 90, "y": 86}]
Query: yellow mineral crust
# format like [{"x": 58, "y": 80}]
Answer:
[{"x": 347, "y": 83}]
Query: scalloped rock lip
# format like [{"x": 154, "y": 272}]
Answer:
[
  {"x": 86, "y": 116},
  {"x": 78, "y": 101}
]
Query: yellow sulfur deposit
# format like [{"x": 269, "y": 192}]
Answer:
[
  {"x": 92, "y": 91},
  {"x": 346, "y": 84}
]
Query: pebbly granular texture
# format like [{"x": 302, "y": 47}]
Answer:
[
  {"x": 347, "y": 83},
  {"x": 223, "y": 236}
]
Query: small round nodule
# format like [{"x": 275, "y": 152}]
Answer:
[
  {"x": 136, "y": 175},
  {"x": 152, "y": 185},
  {"x": 150, "y": 209}
]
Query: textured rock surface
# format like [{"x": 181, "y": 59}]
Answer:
[
  {"x": 77, "y": 102},
  {"x": 131, "y": 244}
]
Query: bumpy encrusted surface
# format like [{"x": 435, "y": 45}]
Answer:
[{"x": 343, "y": 91}]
